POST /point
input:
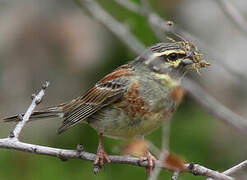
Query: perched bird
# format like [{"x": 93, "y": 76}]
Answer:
[{"x": 134, "y": 99}]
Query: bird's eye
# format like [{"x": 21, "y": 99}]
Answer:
[{"x": 172, "y": 56}]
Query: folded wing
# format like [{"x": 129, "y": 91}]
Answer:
[{"x": 101, "y": 95}]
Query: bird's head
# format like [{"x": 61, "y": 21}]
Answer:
[{"x": 174, "y": 58}]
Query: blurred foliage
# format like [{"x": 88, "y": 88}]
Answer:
[{"x": 195, "y": 135}]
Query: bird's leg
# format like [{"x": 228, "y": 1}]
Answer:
[
  {"x": 151, "y": 161},
  {"x": 101, "y": 154}
]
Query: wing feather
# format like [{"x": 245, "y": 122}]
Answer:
[
  {"x": 102, "y": 94},
  {"x": 80, "y": 114}
]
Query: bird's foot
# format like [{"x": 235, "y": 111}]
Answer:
[
  {"x": 101, "y": 155},
  {"x": 151, "y": 161}
]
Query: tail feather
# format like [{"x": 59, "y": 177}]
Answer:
[{"x": 36, "y": 115}]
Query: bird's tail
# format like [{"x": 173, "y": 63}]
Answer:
[{"x": 36, "y": 115}]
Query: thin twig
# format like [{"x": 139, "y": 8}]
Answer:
[
  {"x": 235, "y": 17},
  {"x": 195, "y": 169},
  {"x": 234, "y": 169},
  {"x": 36, "y": 100},
  {"x": 207, "y": 172},
  {"x": 157, "y": 169},
  {"x": 164, "y": 150}
]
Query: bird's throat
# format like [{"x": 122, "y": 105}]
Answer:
[{"x": 166, "y": 79}]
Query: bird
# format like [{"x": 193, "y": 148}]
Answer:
[{"x": 133, "y": 100}]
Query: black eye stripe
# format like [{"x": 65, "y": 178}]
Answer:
[{"x": 174, "y": 56}]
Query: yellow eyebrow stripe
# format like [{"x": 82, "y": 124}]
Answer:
[{"x": 167, "y": 52}]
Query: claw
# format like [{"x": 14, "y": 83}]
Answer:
[
  {"x": 151, "y": 162},
  {"x": 101, "y": 156}
]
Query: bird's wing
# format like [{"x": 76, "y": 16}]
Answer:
[{"x": 107, "y": 91}]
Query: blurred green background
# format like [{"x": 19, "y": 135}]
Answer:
[{"x": 56, "y": 41}]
